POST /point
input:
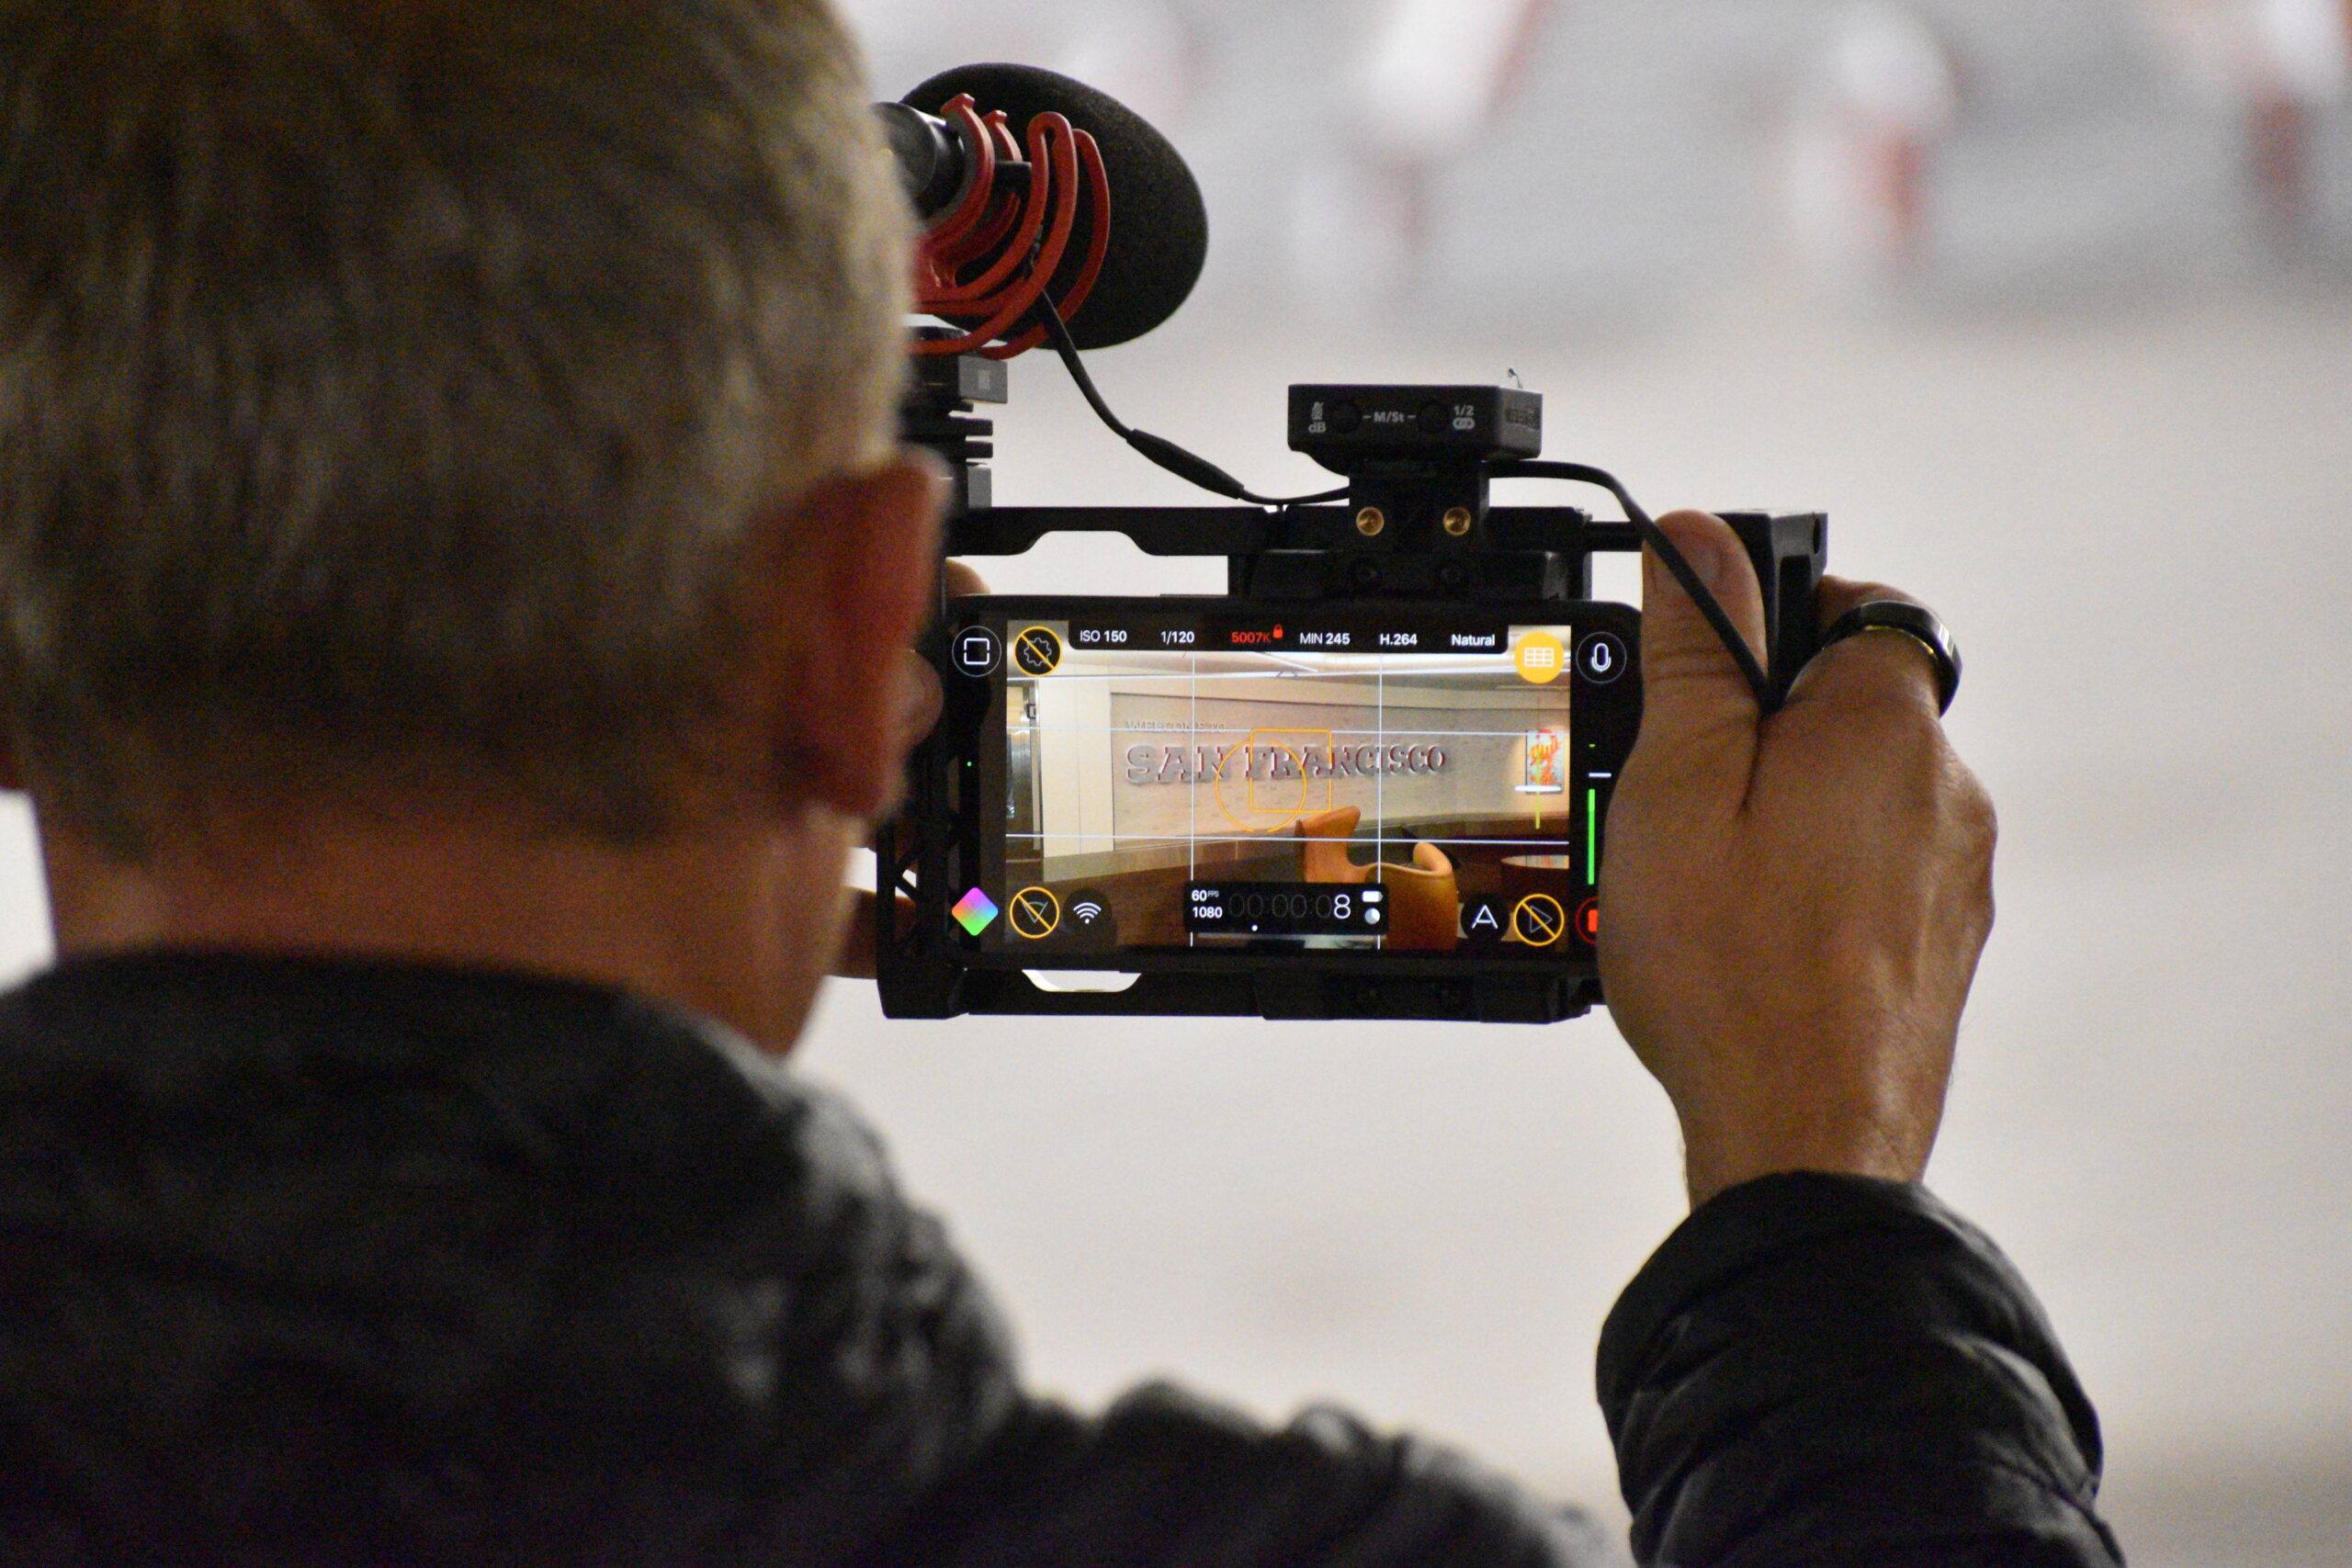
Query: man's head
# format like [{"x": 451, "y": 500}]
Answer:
[
  {"x": 462, "y": 405},
  {"x": 399, "y": 384}
]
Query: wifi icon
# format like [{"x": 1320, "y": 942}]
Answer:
[{"x": 1088, "y": 910}]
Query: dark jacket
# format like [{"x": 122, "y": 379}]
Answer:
[{"x": 336, "y": 1263}]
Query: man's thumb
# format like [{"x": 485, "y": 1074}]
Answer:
[{"x": 1693, "y": 694}]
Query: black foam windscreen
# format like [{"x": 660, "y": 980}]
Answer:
[{"x": 1159, "y": 228}]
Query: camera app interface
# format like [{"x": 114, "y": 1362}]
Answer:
[{"x": 1174, "y": 782}]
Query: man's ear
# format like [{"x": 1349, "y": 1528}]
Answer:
[{"x": 861, "y": 552}]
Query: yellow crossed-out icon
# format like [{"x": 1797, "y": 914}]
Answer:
[
  {"x": 1037, "y": 651},
  {"x": 1538, "y": 920},
  {"x": 1035, "y": 913}
]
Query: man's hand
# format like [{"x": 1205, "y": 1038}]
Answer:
[
  {"x": 855, "y": 960},
  {"x": 1792, "y": 908}
]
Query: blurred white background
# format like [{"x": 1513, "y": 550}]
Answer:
[{"x": 2049, "y": 304}]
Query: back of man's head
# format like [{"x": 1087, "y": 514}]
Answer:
[{"x": 384, "y": 386}]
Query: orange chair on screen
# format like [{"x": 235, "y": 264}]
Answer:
[
  {"x": 1324, "y": 857},
  {"x": 1424, "y": 902}
]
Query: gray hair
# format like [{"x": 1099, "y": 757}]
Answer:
[{"x": 389, "y": 383}]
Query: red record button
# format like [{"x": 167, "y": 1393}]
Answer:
[{"x": 1588, "y": 920}]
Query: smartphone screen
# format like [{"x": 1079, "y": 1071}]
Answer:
[{"x": 1204, "y": 777}]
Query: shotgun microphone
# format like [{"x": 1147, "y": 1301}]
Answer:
[{"x": 1031, "y": 186}]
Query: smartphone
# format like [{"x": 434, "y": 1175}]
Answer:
[{"x": 1338, "y": 787}]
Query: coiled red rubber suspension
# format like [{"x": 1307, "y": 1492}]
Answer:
[{"x": 991, "y": 259}]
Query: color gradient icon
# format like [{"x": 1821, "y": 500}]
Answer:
[{"x": 974, "y": 911}]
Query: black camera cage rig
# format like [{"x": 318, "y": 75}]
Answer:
[{"x": 1417, "y": 524}]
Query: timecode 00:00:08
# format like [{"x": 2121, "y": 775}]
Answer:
[{"x": 1291, "y": 906}]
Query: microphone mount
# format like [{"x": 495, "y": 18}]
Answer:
[{"x": 1009, "y": 213}]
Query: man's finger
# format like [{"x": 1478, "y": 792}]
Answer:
[
  {"x": 855, "y": 960},
  {"x": 1878, "y": 666},
  {"x": 1696, "y": 704},
  {"x": 926, "y": 699}
]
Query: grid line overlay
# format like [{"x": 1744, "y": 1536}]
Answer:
[{"x": 1428, "y": 688}]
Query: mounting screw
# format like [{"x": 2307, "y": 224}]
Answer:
[
  {"x": 1371, "y": 521},
  {"x": 1458, "y": 521}
]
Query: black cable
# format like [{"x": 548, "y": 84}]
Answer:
[
  {"x": 1159, "y": 448},
  {"x": 1657, "y": 539}
]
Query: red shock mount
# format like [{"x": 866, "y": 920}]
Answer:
[{"x": 991, "y": 259}]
